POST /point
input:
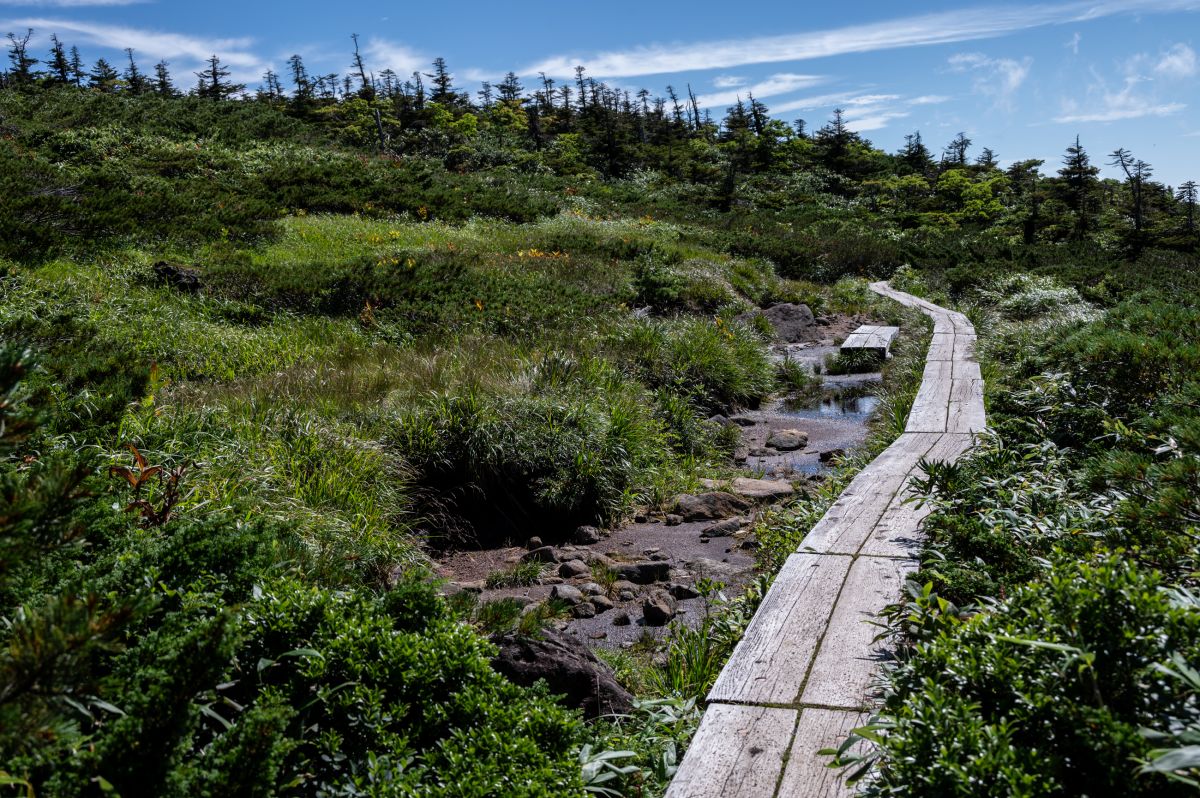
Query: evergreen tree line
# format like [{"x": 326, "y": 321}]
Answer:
[{"x": 619, "y": 132}]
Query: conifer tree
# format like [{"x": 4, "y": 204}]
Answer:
[
  {"x": 1079, "y": 185},
  {"x": 213, "y": 83},
  {"x": 60, "y": 65},
  {"x": 162, "y": 80},
  {"x": 1187, "y": 194},
  {"x": 135, "y": 81},
  {"x": 103, "y": 77},
  {"x": 77, "y": 73},
  {"x": 18, "y": 55}
]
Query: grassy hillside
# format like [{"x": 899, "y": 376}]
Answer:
[{"x": 255, "y": 372}]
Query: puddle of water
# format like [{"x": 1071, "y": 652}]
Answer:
[{"x": 851, "y": 402}]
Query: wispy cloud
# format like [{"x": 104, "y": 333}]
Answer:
[
  {"x": 154, "y": 44},
  {"x": 863, "y": 111},
  {"x": 771, "y": 87},
  {"x": 997, "y": 78},
  {"x": 1073, "y": 43},
  {"x": 728, "y": 81},
  {"x": 1177, "y": 62},
  {"x": 1141, "y": 91},
  {"x": 400, "y": 58},
  {"x": 1105, "y": 105},
  {"x": 927, "y": 29}
]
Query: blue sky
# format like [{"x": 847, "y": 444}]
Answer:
[{"x": 1021, "y": 78}]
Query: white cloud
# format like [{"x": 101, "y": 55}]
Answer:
[
  {"x": 1177, "y": 62},
  {"x": 155, "y": 45},
  {"x": 771, "y": 87},
  {"x": 401, "y": 59},
  {"x": 875, "y": 121},
  {"x": 1073, "y": 44},
  {"x": 998, "y": 78},
  {"x": 1104, "y": 105},
  {"x": 728, "y": 81},
  {"x": 929, "y": 99},
  {"x": 936, "y": 28}
]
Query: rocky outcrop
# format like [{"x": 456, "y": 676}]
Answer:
[
  {"x": 787, "y": 440},
  {"x": 709, "y": 506},
  {"x": 792, "y": 323},
  {"x": 569, "y": 669}
]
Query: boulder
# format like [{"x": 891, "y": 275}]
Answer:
[
  {"x": 659, "y": 608},
  {"x": 674, "y": 519},
  {"x": 830, "y": 454},
  {"x": 571, "y": 595},
  {"x": 622, "y": 619},
  {"x": 762, "y": 489},
  {"x": 591, "y": 589},
  {"x": 545, "y": 554},
  {"x": 722, "y": 528},
  {"x": 744, "y": 421},
  {"x": 683, "y": 592},
  {"x": 787, "y": 440},
  {"x": 568, "y": 668},
  {"x": 602, "y": 603},
  {"x": 584, "y": 609},
  {"x": 534, "y": 543},
  {"x": 709, "y": 506},
  {"x": 644, "y": 573},
  {"x": 793, "y": 323},
  {"x": 573, "y": 568},
  {"x": 586, "y": 535}
]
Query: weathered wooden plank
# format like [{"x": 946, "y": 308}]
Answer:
[
  {"x": 848, "y": 523},
  {"x": 898, "y": 532},
  {"x": 849, "y": 657},
  {"x": 929, "y": 409},
  {"x": 966, "y": 407},
  {"x": 950, "y": 446},
  {"x": 941, "y": 347},
  {"x": 770, "y": 661},
  {"x": 738, "y": 752},
  {"x": 964, "y": 345},
  {"x": 967, "y": 370},
  {"x": 807, "y": 774},
  {"x": 871, "y": 336}
]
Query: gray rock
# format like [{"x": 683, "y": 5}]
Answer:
[
  {"x": 586, "y": 535},
  {"x": 622, "y": 619},
  {"x": 674, "y": 519},
  {"x": 591, "y": 589},
  {"x": 659, "y": 608},
  {"x": 627, "y": 595},
  {"x": 645, "y": 573},
  {"x": 741, "y": 454},
  {"x": 602, "y": 603},
  {"x": 709, "y": 506},
  {"x": 723, "y": 528},
  {"x": 744, "y": 421},
  {"x": 683, "y": 592},
  {"x": 829, "y": 455},
  {"x": 570, "y": 595},
  {"x": 787, "y": 440},
  {"x": 534, "y": 543},
  {"x": 793, "y": 323},
  {"x": 762, "y": 489},
  {"x": 540, "y": 554},
  {"x": 569, "y": 669},
  {"x": 584, "y": 609},
  {"x": 573, "y": 568}
]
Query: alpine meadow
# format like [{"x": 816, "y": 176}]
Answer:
[{"x": 386, "y": 434}]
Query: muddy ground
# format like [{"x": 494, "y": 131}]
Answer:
[{"x": 662, "y": 555}]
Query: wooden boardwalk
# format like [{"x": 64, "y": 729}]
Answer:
[
  {"x": 803, "y": 674},
  {"x": 870, "y": 336}
]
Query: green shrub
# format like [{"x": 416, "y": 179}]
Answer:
[{"x": 1042, "y": 695}]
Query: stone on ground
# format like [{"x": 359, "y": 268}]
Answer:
[
  {"x": 709, "y": 506},
  {"x": 787, "y": 440},
  {"x": 569, "y": 668}
]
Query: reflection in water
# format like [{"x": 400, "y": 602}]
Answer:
[{"x": 849, "y": 402}]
